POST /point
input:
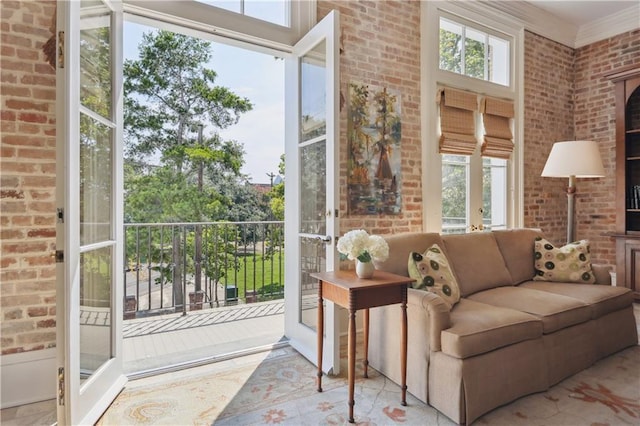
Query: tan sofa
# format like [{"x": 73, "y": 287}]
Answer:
[{"x": 509, "y": 336}]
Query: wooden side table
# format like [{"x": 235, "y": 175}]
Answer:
[{"x": 347, "y": 290}]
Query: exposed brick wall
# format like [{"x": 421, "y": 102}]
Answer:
[
  {"x": 567, "y": 97},
  {"x": 27, "y": 180},
  {"x": 381, "y": 47},
  {"x": 548, "y": 117},
  {"x": 595, "y": 120}
]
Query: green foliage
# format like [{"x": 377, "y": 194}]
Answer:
[
  {"x": 450, "y": 51},
  {"x": 454, "y": 191},
  {"x": 276, "y": 195},
  {"x": 170, "y": 98},
  {"x": 169, "y": 92},
  {"x": 469, "y": 61},
  {"x": 166, "y": 196}
]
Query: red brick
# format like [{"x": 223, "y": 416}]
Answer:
[
  {"x": 38, "y": 311},
  {"x": 19, "y": 104},
  {"x": 32, "y": 117},
  {"x": 40, "y": 233},
  {"x": 47, "y": 323}
]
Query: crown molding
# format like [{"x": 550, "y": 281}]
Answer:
[
  {"x": 550, "y": 26},
  {"x": 609, "y": 26},
  {"x": 537, "y": 20}
]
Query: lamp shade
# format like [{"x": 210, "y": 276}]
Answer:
[{"x": 574, "y": 158}]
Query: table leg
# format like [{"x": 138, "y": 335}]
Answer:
[
  {"x": 320, "y": 330},
  {"x": 403, "y": 355},
  {"x": 365, "y": 363},
  {"x": 352, "y": 361}
]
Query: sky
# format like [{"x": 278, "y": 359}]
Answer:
[{"x": 252, "y": 75}]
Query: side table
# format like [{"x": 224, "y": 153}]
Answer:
[{"x": 347, "y": 290}]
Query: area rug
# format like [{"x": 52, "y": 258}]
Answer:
[{"x": 278, "y": 387}]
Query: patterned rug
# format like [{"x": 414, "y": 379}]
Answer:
[{"x": 278, "y": 387}]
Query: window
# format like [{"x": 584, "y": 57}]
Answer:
[
  {"x": 274, "y": 11},
  {"x": 472, "y": 159},
  {"x": 274, "y": 24},
  {"x": 474, "y": 53}
]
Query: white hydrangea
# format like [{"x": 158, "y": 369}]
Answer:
[{"x": 358, "y": 244}]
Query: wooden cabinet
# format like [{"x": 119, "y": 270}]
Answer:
[{"x": 627, "y": 89}]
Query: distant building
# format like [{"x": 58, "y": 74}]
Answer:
[{"x": 264, "y": 188}]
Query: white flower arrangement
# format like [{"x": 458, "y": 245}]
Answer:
[{"x": 358, "y": 244}]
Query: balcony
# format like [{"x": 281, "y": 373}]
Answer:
[{"x": 201, "y": 291}]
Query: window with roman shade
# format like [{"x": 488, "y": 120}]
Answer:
[
  {"x": 498, "y": 138},
  {"x": 457, "y": 121}
]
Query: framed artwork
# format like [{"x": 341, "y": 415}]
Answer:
[{"x": 373, "y": 139}]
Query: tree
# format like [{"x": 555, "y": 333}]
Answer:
[
  {"x": 468, "y": 61},
  {"x": 276, "y": 195},
  {"x": 170, "y": 97}
]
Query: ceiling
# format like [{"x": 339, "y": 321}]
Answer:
[
  {"x": 583, "y": 12},
  {"x": 574, "y": 23}
]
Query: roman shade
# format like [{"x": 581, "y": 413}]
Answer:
[
  {"x": 498, "y": 139},
  {"x": 457, "y": 122}
]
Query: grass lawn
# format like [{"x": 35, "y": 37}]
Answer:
[{"x": 257, "y": 272}]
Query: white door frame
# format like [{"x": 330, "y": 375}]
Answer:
[
  {"x": 77, "y": 402},
  {"x": 302, "y": 337}
]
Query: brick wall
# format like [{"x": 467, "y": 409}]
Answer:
[
  {"x": 595, "y": 120},
  {"x": 27, "y": 182},
  {"x": 381, "y": 47},
  {"x": 566, "y": 97},
  {"x": 548, "y": 117}
]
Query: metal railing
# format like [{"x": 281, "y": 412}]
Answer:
[{"x": 180, "y": 267}]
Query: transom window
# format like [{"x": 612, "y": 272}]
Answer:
[
  {"x": 274, "y": 11},
  {"x": 474, "y": 52}
]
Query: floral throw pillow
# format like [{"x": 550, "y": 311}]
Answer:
[
  {"x": 570, "y": 263},
  {"x": 432, "y": 272}
]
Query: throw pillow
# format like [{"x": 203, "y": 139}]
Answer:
[
  {"x": 570, "y": 263},
  {"x": 432, "y": 272}
]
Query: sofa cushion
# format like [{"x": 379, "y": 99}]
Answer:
[
  {"x": 477, "y": 262},
  {"x": 432, "y": 273},
  {"x": 555, "y": 310},
  {"x": 400, "y": 245},
  {"x": 479, "y": 328},
  {"x": 518, "y": 251},
  {"x": 569, "y": 263},
  {"x": 602, "y": 299}
]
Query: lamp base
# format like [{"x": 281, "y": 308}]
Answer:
[{"x": 571, "y": 200}]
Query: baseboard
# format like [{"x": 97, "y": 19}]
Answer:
[{"x": 27, "y": 377}]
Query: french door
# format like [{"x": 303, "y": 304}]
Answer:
[
  {"x": 312, "y": 193},
  {"x": 89, "y": 231}
]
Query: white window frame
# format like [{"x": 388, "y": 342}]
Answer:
[
  {"x": 231, "y": 25},
  {"x": 481, "y": 16}
]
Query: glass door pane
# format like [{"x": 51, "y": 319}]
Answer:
[
  {"x": 90, "y": 230},
  {"x": 494, "y": 193},
  {"x": 95, "y": 186},
  {"x": 312, "y": 197},
  {"x": 455, "y": 183}
]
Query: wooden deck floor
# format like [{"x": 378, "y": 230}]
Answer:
[{"x": 203, "y": 336}]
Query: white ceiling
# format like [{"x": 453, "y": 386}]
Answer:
[
  {"x": 574, "y": 23},
  {"x": 583, "y": 12}
]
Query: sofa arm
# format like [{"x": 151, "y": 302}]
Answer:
[
  {"x": 601, "y": 273},
  {"x": 427, "y": 316},
  {"x": 438, "y": 315}
]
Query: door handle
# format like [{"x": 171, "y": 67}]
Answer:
[{"x": 326, "y": 239}]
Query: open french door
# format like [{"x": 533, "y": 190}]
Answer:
[
  {"x": 312, "y": 193},
  {"x": 89, "y": 231}
]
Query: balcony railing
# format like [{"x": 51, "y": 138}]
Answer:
[{"x": 181, "y": 267}]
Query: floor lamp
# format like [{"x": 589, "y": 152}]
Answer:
[{"x": 573, "y": 159}]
